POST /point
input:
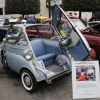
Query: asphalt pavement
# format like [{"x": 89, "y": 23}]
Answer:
[{"x": 11, "y": 88}]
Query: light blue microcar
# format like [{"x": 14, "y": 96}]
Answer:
[{"x": 38, "y": 57}]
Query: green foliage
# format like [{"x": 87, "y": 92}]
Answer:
[
  {"x": 22, "y": 6},
  {"x": 81, "y": 5}
]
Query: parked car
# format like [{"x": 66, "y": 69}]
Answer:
[
  {"x": 41, "y": 19},
  {"x": 4, "y": 24},
  {"x": 38, "y": 58}
]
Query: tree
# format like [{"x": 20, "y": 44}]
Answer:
[
  {"x": 23, "y": 7},
  {"x": 81, "y": 5}
]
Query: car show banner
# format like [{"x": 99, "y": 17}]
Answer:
[{"x": 85, "y": 79}]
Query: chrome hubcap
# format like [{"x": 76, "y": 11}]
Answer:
[{"x": 27, "y": 81}]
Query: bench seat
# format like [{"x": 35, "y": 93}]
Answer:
[
  {"x": 46, "y": 57},
  {"x": 41, "y": 53}
]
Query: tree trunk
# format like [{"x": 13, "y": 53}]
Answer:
[
  {"x": 80, "y": 14},
  {"x": 23, "y": 16}
]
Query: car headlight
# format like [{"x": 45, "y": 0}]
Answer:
[{"x": 28, "y": 55}]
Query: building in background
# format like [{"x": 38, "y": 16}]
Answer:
[{"x": 44, "y": 10}]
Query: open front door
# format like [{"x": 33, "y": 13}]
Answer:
[{"x": 77, "y": 46}]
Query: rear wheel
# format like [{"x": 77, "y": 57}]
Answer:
[
  {"x": 95, "y": 54},
  {"x": 28, "y": 80}
]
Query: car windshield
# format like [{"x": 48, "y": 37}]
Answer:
[
  {"x": 14, "y": 31},
  {"x": 80, "y": 24}
]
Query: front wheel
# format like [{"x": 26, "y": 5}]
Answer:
[{"x": 28, "y": 80}]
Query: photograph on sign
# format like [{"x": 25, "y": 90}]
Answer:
[
  {"x": 85, "y": 73},
  {"x": 85, "y": 79}
]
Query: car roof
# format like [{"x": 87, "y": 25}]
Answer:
[
  {"x": 94, "y": 22},
  {"x": 27, "y": 25}
]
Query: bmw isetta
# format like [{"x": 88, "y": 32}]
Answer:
[{"x": 42, "y": 57}]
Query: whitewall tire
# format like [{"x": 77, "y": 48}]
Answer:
[{"x": 28, "y": 80}]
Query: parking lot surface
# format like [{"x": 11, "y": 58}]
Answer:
[{"x": 12, "y": 89}]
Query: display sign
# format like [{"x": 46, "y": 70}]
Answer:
[
  {"x": 53, "y": 2},
  {"x": 85, "y": 79}
]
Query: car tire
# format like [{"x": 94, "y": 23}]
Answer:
[
  {"x": 28, "y": 80},
  {"x": 96, "y": 55},
  {"x": 4, "y": 60}
]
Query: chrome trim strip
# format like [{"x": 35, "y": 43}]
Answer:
[{"x": 16, "y": 47}]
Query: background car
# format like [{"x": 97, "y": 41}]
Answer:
[{"x": 41, "y": 19}]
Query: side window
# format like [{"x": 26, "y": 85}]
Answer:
[
  {"x": 22, "y": 40},
  {"x": 63, "y": 28},
  {"x": 44, "y": 27}
]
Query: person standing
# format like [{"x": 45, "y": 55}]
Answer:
[
  {"x": 34, "y": 17},
  {"x": 75, "y": 14},
  {"x": 31, "y": 20},
  {"x": 70, "y": 14},
  {"x": 19, "y": 21},
  {"x": 93, "y": 18}
]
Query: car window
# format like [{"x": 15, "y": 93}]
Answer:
[
  {"x": 12, "y": 34},
  {"x": 14, "y": 31},
  {"x": 22, "y": 39},
  {"x": 44, "y": 27},
  {"x": 79, "y": 24},
  {"x": 50, "y": 32},
  {"x": 63, "y": 26}
]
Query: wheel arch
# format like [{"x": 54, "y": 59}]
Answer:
[
  {"x": 24, "y": 68},
  {"x": 97, "y": 52}
]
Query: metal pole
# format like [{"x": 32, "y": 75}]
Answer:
[{"x": 49, "y": 8}]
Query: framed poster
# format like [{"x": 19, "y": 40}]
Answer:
[{"x": 85, "y": 79}]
